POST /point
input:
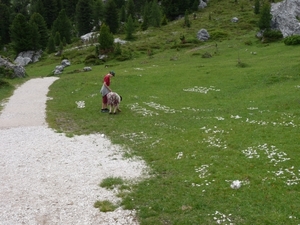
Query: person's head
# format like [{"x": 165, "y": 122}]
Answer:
[{"x": 112, "y": 73}]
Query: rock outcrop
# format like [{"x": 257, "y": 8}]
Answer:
[
  {"x": 17, "y": 70},
  {"x": 28, "y": 57},
  {"x": 286, "y": 17}
]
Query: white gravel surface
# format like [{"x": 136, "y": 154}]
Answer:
[{"x": 48, "y": 178}]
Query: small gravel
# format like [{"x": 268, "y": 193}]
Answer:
[{"x": 48, "y": 178}]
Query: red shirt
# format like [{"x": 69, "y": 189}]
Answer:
[{"x": 107, "y": 79}]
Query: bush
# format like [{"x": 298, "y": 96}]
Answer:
[
  {"x": 217, "y": 35},
  {"x": 272, "y": 35},
  {"x": 292, "y": 40},
  {"x": 6, "y": 73}
]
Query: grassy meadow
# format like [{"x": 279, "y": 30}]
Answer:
[{"x": 199, "y": 123}]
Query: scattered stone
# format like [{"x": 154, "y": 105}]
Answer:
[{"x": 203, "y": 35}]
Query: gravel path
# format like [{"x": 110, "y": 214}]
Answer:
[{"x": 48, "y": 178}]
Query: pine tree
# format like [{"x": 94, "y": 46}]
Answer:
[
  {"x": 63, "y": 26},
  {"x": 156, "y": 15},
  {"x": 98, "y": 13},
  {"x": 70, "y": 6},
  {"x": 37, "y": 6},
  {"x": 123, "y": 14},
  {"x": 51, "y": 12},
  {"x": 146, "y": 16},
  {"x": 39, "y": 21},
  {"x": 84, "y": 16},
  {"x": 111, "y": 16},
  {"x": 187, "y": 22},
  {"x": 265, "y": 17},
  {"x": 20, "y": 33},
  {"x": 51, "y": 45},
  {"x": 4, "y": 24},
  {"x": 106, "y": 40},
  {"x": 129, "y": 28},
  {"x": 57, "y": 38},
  {"x": 130, "y": 9}
]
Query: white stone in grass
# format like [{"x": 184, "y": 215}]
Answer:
[{"x": 236, "y": 184}]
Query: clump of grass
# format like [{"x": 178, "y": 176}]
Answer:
[
  {"x": 111, "y": 182},
  {"x": 105, "y": 206}
]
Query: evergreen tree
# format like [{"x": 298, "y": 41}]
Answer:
[
  {"x": 39, "y": 21},
  {"x": 98, "y": 13},
  {"x": 70, "y": 6},
  {"x": 106, "y": 40},
  {"x": 146, "y": 16},
  {"x": 34, "y": 37},
  {"x": 57, "y": 39},
  {"x": 84, "y": 16},
  {"x": 123, "y": 14},
  {"x": 174, "y": 8},
  {"x": 256, "y": 7},
  {"x": 51, "y": 45},
  {"x": 265, "y": 17},
  {"x": 139, "y": 5},
  {"x": 119, "y": 3},
  {"x": 6, "y": 2},
  {"x": 187, "y": 22},
  {"x": 51, "y": 12},
  {"x": 156, "y": 15},
  {"x": 111, "y": 16},
  {"x": 21, "y": 6},
  {"x": 195, "y": 5},
  {"x": 164, "y": 20},
  {"x": 63, "y": 26},
  {"x": 20, "y": 34},
  {"x": 37, "y": 6},
  {"x": 4, "y": 24},
  {"x": 129, "y": 28},
  {"x": 130, "y": 9}
]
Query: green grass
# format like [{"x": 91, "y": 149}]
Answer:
[{"x": 199, "y": 123}]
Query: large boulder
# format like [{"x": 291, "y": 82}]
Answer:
[
  {"x": 203, "y": 35},
  {"x": 284, "y": 17},
  {"x": 26, "y": 57},
  {"x": 18, "y": 71}
]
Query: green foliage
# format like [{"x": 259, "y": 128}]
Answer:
[
  {"x": 106, "y": 40},
  {"x": 156, "y": 15},
  {"x": 130, "y": 9},
  {"x": 23, "y": 34},
  {"x": 98, "y": 13},
  {"x": 164, "y": 21},
  {"x": 6, "y": 73},
  {"x": 51, "y": 45},
  {"x": 91, "y": 60},
  {"x": 272, "y": 35},
  {"x": 63, "y": 26},
  {"x": 57, "y": 38},
  {"x": 4, "y": 24},
  {"x": 265, "y": 17},
  {"x": 111, "y": 16},
  {"x": 118, "y": 49},
  {"x": 84, "y": 16},
  {"x": 187, "y": 22},
  {"x": 38, "y": 20},
  {"x": 123, "y": 14},
  {"x": 292, "y": 40},
  {"x": 257, "y": 7},
  {"x": 129, "y": 27},
  {"x": 50, "y": 11}
]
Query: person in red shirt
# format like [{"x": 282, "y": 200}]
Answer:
[{"x": 105, "y": 89}]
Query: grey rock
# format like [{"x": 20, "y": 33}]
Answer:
[
  {"x": 19, "y": 71},
  {"x": 202, "y": 4},
  {"x": 234, "y": 20},
  {"x": 203, "y": 35},
  {"x": 27, "y": 57},
  {"x": 284, "y": 17},
  {"x": 65, "y": 63},
  {"x": 87, "y": 68}
]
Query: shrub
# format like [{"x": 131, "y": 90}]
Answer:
[
  {"x": 272, "y": 35},
  {"x": 217, "y": 35},
  {"x": 292, "y": 40}
]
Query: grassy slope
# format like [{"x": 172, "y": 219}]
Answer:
[{"x": 195, "y": 142}]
